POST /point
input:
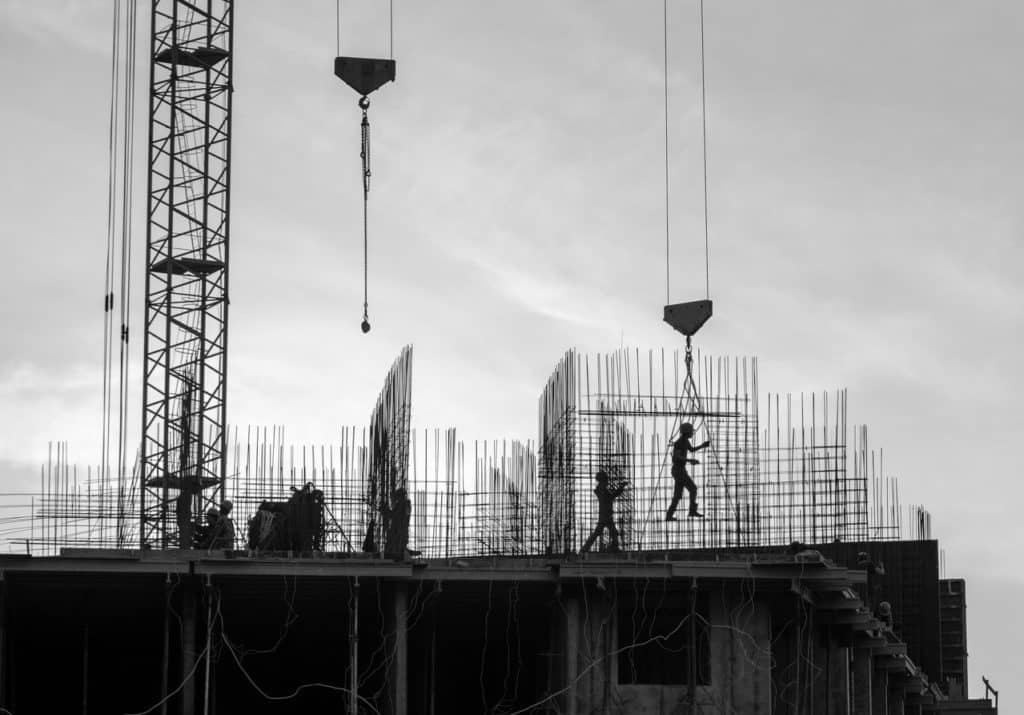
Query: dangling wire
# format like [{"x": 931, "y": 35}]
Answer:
[{"x": 364, "y": 154}]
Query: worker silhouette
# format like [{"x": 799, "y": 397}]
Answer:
[
  {"x": 680, "y": 458},
  {"x": 605, "y": 513},
  {"x": 397, "y": 519}
]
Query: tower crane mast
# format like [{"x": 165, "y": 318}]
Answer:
[{"x": 187, "y": 238}]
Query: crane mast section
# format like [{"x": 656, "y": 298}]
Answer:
[{"x": 187, "y": 238}]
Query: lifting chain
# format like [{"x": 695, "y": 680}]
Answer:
[
  {"x": 364, "y": 154},
  {"x": 689, "y": 359}
]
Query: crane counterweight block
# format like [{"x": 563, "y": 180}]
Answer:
[
  {"x": 364, "y": 74},
  {"x": 688, "y": 318}
]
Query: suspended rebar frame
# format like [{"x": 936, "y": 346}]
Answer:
[
  {"x": 387, "y": 462},
  {"x": 185, "y": 354}
]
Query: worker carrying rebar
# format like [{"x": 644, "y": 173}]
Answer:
[
  {"x": 680, "y": 475},
  {"x": 605, "y": 512}
]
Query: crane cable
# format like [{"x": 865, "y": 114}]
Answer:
[
  {"x": 704, "y": 145},
  {"x": 118, "y": 239},
  {"x": 108, "y": 295},
  {"x": 704, "y": 148},
  {"x": 364, "y": 154}
]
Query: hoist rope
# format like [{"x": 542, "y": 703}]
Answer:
[
  {"x": 704, "y": 152},
  {"x": 668, "y": 297},
  {"x": 108, "y": 297},
  {"x": 704, "y": 139},
  {"x": 127, "y": 205}
]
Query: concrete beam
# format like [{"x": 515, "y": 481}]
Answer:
[
  {"x": 94, "y": 566},
  {"x": 325, "y": 568}
]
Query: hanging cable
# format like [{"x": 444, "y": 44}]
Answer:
[
  {"x": 704, "y": 139},
  {"x": 108, "y": 295},
  {"x": 668, "y": 298},
  {"x": 127, "y": 205}
]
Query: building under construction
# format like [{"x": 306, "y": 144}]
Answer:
[
  {"x": 225, "y": 569},
  {"x": 805, "y": 588}
]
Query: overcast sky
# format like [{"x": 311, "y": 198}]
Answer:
[{"x": 865, "y": 226}]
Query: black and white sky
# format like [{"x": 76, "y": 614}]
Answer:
[{"x": 866, "y": 226}]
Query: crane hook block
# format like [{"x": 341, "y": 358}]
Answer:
[
  {"x": 688, "y": 318},
  {"x": 364, "y": 74}
]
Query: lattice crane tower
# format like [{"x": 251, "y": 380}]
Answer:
[{"x": 185, "y": 353}]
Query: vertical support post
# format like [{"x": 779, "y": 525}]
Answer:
[
  {"x": 691, "y": 680},
  {"x": 433, "y": 664},
  {"x": 353, "y": 650},
  {"x": 571, "y": 654},
  {"x": 85, "y": 670},
  {"x": 188, "y": 651},
  {"x": 839, "y": 679},
  {"x": 398, "y": 669},
  {"x": 880, "y": 692},
  {"x": 165, "y": 663},
  {"x": 862, "y": 698},
  {"x": 209, "y": 636},
  {"x": 3, "y": 640}
]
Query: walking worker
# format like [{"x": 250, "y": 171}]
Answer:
[
  {"x": 605, "y": 512},
  {"x": 680, "y": 458}
]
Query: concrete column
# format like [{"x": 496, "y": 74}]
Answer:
[
  {"x": 838, "y": 679},
  {"x": 880, "y": 693},
  {"x": 741, "y": 657},
  {"x": 188, "y": 649},
  {"x": 821, "y": 672},
  {"x": 896, "y": 699},
  {"x": 570, "y": 655},
  {"x": 398, "y": 668},
  {"x": 3, "y": 641},
  {"x": 862, "y": 700}
]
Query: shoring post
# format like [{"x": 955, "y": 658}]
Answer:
[
  {"x": 209, "y": 644},
  {"x": 188, "y": 650},
  {"x": 353, "y": 650},
  {"x": 85, "y": 670},
  {"x": 167, "y": 646},
  {"x": 399, "y": 665},
  {"x": 692, "y": 676},
  {"x": 3, "y": 641}
]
